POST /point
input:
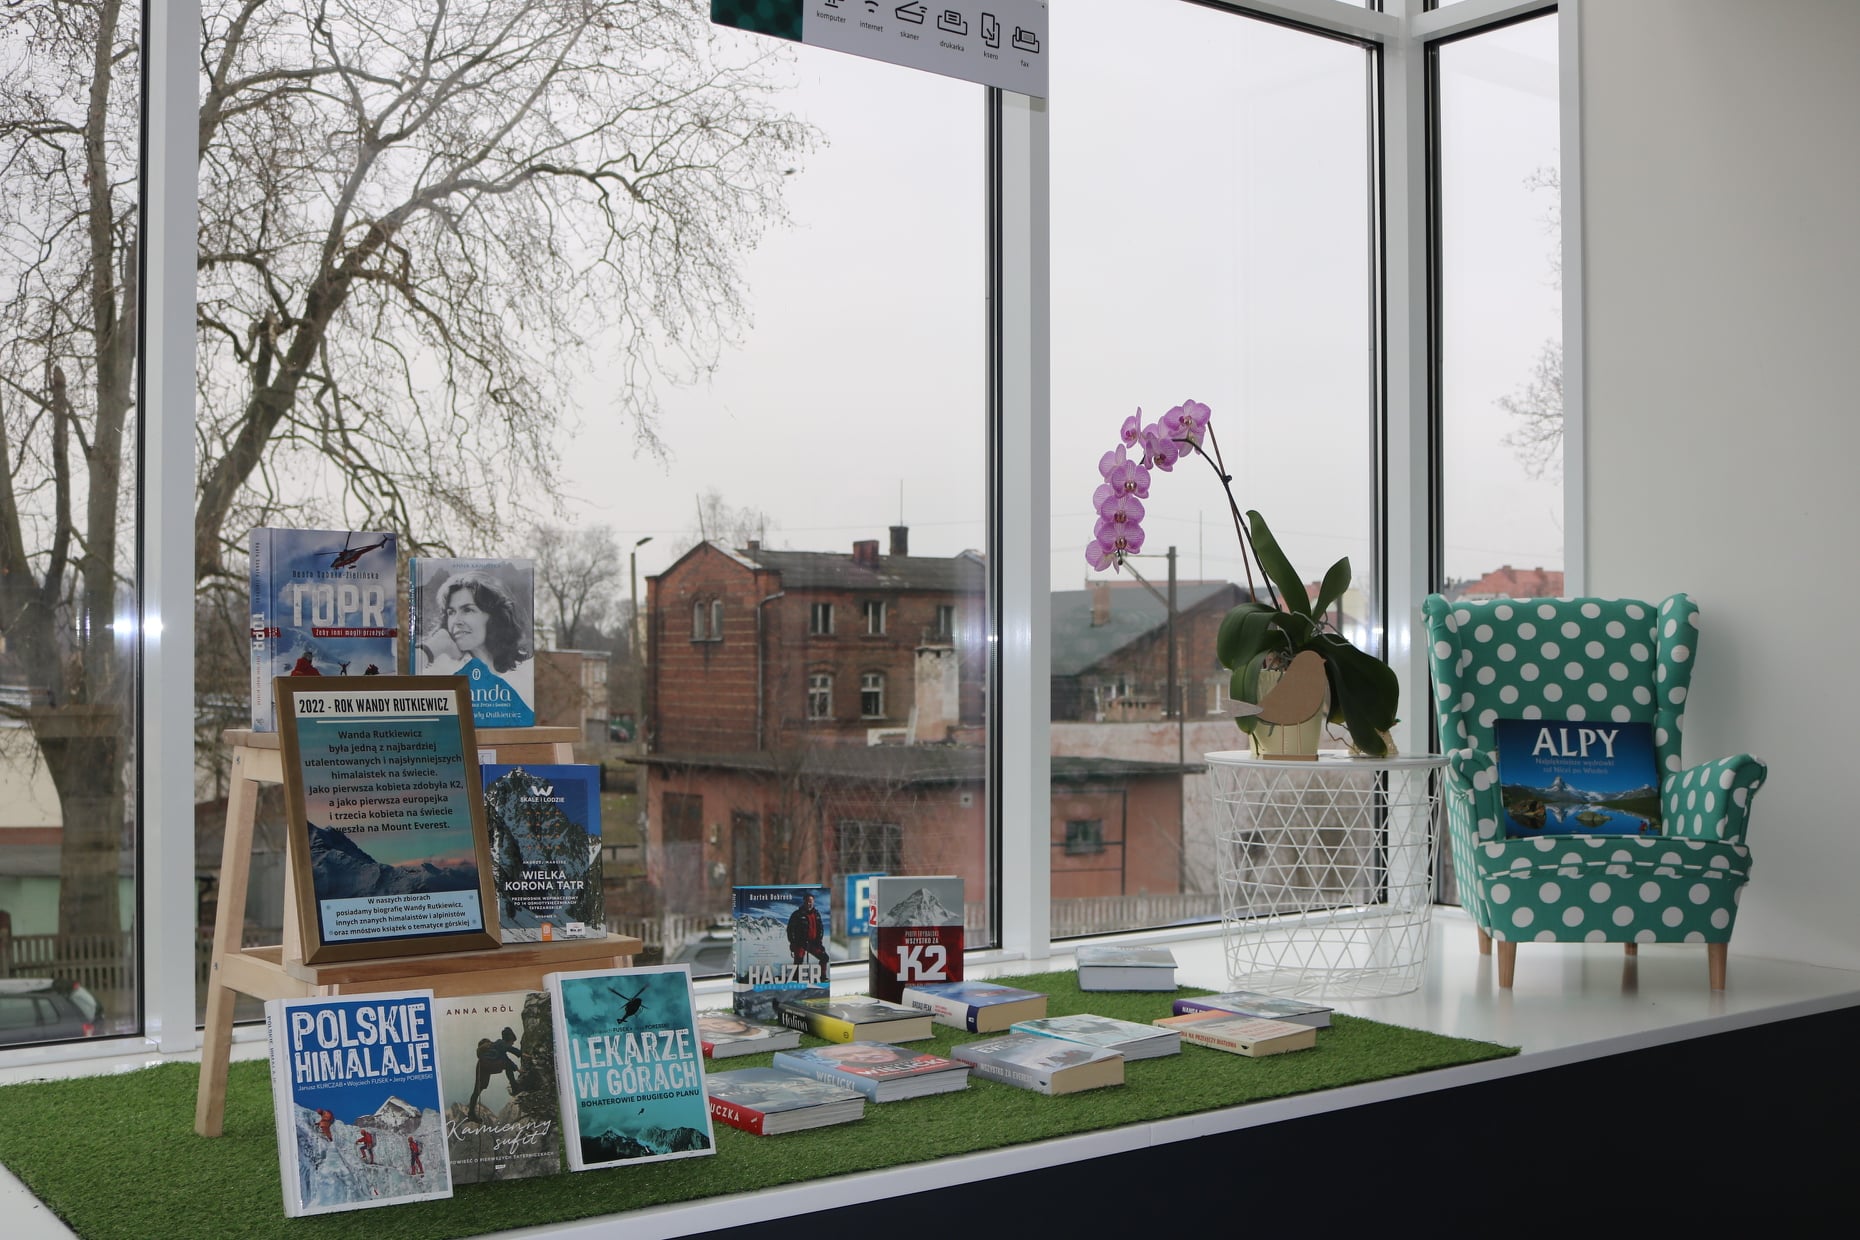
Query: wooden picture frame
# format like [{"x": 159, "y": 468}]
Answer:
[{"x": 390, "y": 766}]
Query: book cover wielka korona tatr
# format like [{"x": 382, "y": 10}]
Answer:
[
  {"x": 476, "y": 619},
  {"x": 355, "y": 1090},
  {"x": 323, "y": 604},
  {"x": 779, "y": 950},
  {"x": 630, "y": 1067},
  {"x": 545, "y": 826}
]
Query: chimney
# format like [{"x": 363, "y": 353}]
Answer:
[
  {"x": 1100, "y": 604},
  {"x": 755, "y": 545},
  {"x": 865, "y": 552},
  {"x": 900, "y": 540}
]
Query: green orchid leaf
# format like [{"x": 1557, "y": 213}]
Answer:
[
  {"x": 1247, "y": 631},
  {"x": 1243, "y": 686},
  {"x": 1365, "y": 693},
  {"x": 1278, "y": 568},
  {"x": 1336, "y": 581}
]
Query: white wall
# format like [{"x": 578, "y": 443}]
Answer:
[{"x": 1721, "y": 167}]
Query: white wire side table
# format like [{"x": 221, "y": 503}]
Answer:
[{"x": 1326, "y": 871}]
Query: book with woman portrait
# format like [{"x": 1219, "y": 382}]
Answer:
[{"x": 475, "y": 618}]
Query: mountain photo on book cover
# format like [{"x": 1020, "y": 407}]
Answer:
[
  {"x": 342, "y": 869},
  {"x": 546, "y": 849},
  {"x": 779, "y": 947},
  {"x": 1560, "y": 777}
]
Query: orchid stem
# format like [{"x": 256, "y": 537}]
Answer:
[{"x": 1219, "y": 466}]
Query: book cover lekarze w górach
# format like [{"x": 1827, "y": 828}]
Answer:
[
  {"x": 322, "y": 604},
  {"x": 545, "y": 825},
  {"x": 630, "y": 1066},
  {"x": 355, "y": 1091},
  {"x": 778, "y": 950},
  {"x": 476, "y": 619}
]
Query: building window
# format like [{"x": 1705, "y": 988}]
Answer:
[
  {"x": 872, "y": 695},
  {"x": 871, "y": 847},
  {"x": 945, "y": 627},
  {"x": 874, "y": 618},
  {"x": 1084, "y": 836},
  {"x": 707, "y": 620},
  {"x": 820, "y": 696},
  {"x": 820, "y": 620}
]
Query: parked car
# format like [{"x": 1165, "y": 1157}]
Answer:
[{"x": 45, "y": 1009}]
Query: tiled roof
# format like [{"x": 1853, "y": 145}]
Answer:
[
  {"x": 1135, "y": 613},
  {"x": 835, "y": 570}
]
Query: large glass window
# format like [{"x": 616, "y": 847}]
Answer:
[
  {"x": 620, "y": 291},
  {"x": 1211, "y": 239},
  {"x": 1500, "y": 312},
  {"x": 70, "y": 86}
]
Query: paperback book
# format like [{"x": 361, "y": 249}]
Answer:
[
  {"x": 916, "y": 933},
  {"x": 475, "y": 618},
  {"x": 1252, "y": 1003},
  {"x": 726, "y": 1035},
  {"x": 497, "y": 1063},
  {"x": 878, "y": 1070},
  {"x": 355, "y": 1091},
  {"x": 630, "y": 1067},
  {"x": 779, "y": 949},
  {"x": 545, "y": 828},
  {"x": 1126, "y": 1037},
  {"x": 323, "y": 604},
  {"x": 856, "y": 1018},
  {"x": 768, "y": 1101},
  {"x": 1589, "y": 778},
  {"x": 977, "y": 1007},
  {"x": 1047, "y": 1065},
  {"x": 1109, "y": 967},
  {"x": 1241, "y": 1035}
]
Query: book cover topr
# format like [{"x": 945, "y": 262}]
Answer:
[{"x": 322, "y": 604}]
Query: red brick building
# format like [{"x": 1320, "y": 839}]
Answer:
[{"x": 1111, "y": 648}]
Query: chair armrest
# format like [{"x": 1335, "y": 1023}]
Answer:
[
  {"x": 1472, "y": 780},
  {"x": 1711, "y": 801}
]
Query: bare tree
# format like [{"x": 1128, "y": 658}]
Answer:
[
  {"x": 418, "y": 222},
  {"x": 721, "y": 522},
  {"x": 1538, "y": 405},
  {"x": 579, "y": 574}
]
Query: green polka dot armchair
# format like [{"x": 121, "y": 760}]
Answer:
[{"x": 1596, "y": 660}]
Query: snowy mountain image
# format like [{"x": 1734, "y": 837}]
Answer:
[
  {"x": 335, "y": 1171},
  {"x": 646, "y": 1141},
  {"x": 341, "y": 869},
  {"x": 547, "y": 858},
  {"x": 922, "y": 907}
]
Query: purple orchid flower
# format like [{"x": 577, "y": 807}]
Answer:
[
  {"x": 1117, "y": 507},
  {"x": 1160, "y": 451},
  {"x": 1131, "y": 433},
  {"x": 1186, "y": 423},
  {"x": 1119, "y": 471},
  {"x": 1112, "y": 541}
]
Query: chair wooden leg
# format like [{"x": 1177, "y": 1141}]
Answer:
[
  {"x": 1633, "y": 949},
  {"x": 1485, "y": 943},
  {"x": 1717, "y": 954},
  {"x": 1507, "y": 963}
]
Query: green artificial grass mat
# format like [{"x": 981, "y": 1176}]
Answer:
[{"x": 116, "y": 1156}]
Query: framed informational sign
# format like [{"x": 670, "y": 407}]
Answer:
[{"x": 387, "y": 846}]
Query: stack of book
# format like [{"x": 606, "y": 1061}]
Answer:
[
  {"x": 1047, "y": 1065},
  {"x": 878, "y": 1070},
  {"x": 1241, "y": 1035},
  {"x": 976, "y": 1007},
  {"x": 768, "y": 1101},
  {"x": 1126, "y": 1037},
  {"x": 1109, "y": 967},
  {"x": 856, "y": 1018},
  {"x": 1252, "y": 1003}
]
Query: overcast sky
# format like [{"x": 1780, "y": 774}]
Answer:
[{"x": 1210, "y": 224}]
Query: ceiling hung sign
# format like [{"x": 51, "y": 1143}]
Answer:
[{"x": 994, "y": 42}]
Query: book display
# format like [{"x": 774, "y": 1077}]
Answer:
[
  {"x": 497, "y": 1063},
  {"x": 1252, "y": 1003},
  {"x": 878, "y": 1070},
  {"x": 1112, "y": 967},
  {"x": 1046, "y": 1065},
  {"x": 1127, "y": 1038},
  {"x": 768, "y": 1101},
  {"x": 856, "y": 1018},
  {"x": 630, "y": 1067},
  {"x": 976, "y": 1007},
  {"x": 355, "y": 1092},
  {"x": 916, "y": 933},
  {"x": 544, "y": 821},
  {"x": 475, "y": 618},
  {"x": 726, "y": 1035},
  {"x": 779, "y": 951},
  {"x": 1242, "y": 1035},
  {"x": 322, "y": 605}
]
